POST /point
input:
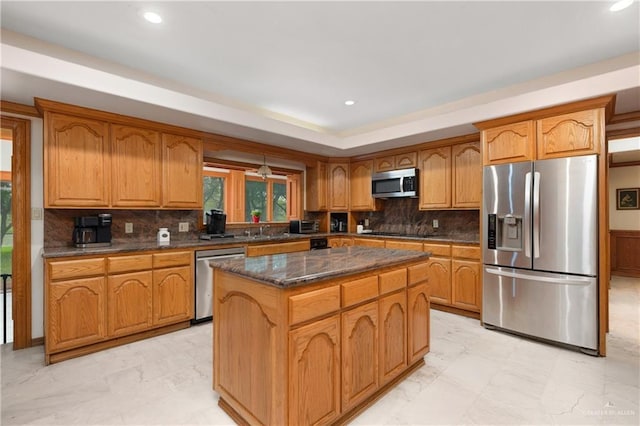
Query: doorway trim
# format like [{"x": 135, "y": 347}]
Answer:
[{"x": 21, "y": 208}]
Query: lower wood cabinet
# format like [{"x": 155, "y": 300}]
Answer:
[
  {"x": 465, "y": 285},
  {"x": 172, "y": 295},
  {"x": 129, "y": 298},
  {"x": 418, "y": 311},
  {"x": 393, "y": 335},
  {"x": 440, "y": 279}
]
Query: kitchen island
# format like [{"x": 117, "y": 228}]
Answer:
[{"x": 315, "y": 337}]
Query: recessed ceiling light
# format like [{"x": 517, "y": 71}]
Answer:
[
  {"x": 349, "y": 102},
  {"x": 619, "y": 5},
  {"x": 152, "y": 17}
]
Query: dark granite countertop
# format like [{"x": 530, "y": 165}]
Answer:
[
  {"x": 451, "y": 238},
  {"x": 294, "y": 269}
]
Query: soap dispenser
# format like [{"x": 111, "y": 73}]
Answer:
[{"x": 164, "y": 237}]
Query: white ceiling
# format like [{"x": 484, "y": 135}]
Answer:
[{"x": 279, "y": 72}]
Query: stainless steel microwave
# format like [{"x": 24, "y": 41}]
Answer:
[{"x": 396, "y": 183}]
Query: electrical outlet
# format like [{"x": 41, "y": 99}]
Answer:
[
  {"x": 128, "y": 228},
  {"x": 183, "y": 227},
  {"x": 366, "y": 222},
  {"x": 435, "y": 223}
]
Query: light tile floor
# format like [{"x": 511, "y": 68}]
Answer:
[{"x": 471, "y": 376}]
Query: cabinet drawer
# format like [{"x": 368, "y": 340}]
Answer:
[
  {"x": 466, "y": 252},
  {"x": 176, "y": 258},
  {"x": 120, "y": 264},
  {"x": 64, "y": 269},
  {"x": 306, "y": 306},
  {"x": 394, "y": 280},
  {"x": 360, "y": 290},
  {"x": 279, "y": 248},
  {"x": 418, "y": 273},
  {"x": 403, "y": 245},
  {"x": 438, "y": 249}
]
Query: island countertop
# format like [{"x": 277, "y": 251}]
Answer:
[{"x": 294, "y": 269}]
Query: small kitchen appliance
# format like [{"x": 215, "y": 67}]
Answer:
[
  {"x": 216, "y": 222},
  {"x": 92, "y": 231},
  {"x": 395, "y": 183},
  {"x": 303, "y": 226}
]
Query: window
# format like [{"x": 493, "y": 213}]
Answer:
[
  {"x": 214, "y": 184},
  {"x": 268, "y": 196}
]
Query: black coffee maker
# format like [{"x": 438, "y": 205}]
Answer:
[
  {"x": 92, "y": 231},
  {"x": 216, "y": 222}
]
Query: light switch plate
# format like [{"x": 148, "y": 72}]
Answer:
[
  {"x": 183, "y": 227},
  {"x": 128, "y": 228},
  {"x": 36, "y": 213},
  {"x": 435, "y": 223}
]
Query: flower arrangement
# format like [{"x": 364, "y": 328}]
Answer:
[{"x": 255, "y": 215}]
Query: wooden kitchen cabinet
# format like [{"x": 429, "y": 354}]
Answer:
[
  {"x": 403, "y": 245},
  {"x": 406, "y": 160},
  {"x": 314, "y": 378},
  {"x": 466, "y": 173},
  {"x": 393, "y": 335},
  {"x": 466, "y": 280},
  {"x": 129, "y": 301},
  {"x": 418, "y": 321},
  {"x": 509, "y": 143},
  {"x": 440, "y": 279},
  {"x": 361, "y": 198},
  {"x": 136, "y": 167},
  {"x": 368, "y": 242},
  {"x": 77, "y": 161},
  {"x": 335, "y": 242},
  {"x": 172, "y": 295},
  {"x": 435, "y": 178},
  {"x": 316, "y": 185},
  {"x": 294, "y": 196},
  {"x": 359, "y": 354},
  {"x": 182, "y": 177},
  {"x": 277, "y": 248},
  {"x": 338, "y": 196},
  {"x": 576, "y": 133}
]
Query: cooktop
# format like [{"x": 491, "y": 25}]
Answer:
[{"x": 215, "y": 236}]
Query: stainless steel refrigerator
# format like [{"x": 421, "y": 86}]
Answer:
[{"x": 540, "y": 250}]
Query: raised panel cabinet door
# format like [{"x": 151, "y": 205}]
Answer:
[
  {"x": 439, "y": 273},
  {"x": 406, "y": 160},
  {"x": 136, "y": 167},
  {"x": 129, "y": 303},
  {"x": 75, "y": 313},
  {"x": 76, "y": 161},
  {"x": 418, "y": 311},
  {"x": 359, "y": 354},
  {"x": 577, "y": 133},
  {"x": 384, "y": 164},
  {"x": 509, "y": 143},
  {"x": 172, "y": 295},
  {"x": 467, "y": 175},
  {"x": 182, "y": 161},
  {"x": 360, "y": 186},
  {"x": 294, "y": 197},
  {"x": 338, "y": 186},
  {"x": 393, "y": 335},
  {"x": 317, "y": 187},
  {"x": 435, "y": 178},
  {"x": 314, "y": 381},
  {"x": 465, "y": 285}
]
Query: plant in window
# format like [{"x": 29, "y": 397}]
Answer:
[{"x": 255, "y": 215}]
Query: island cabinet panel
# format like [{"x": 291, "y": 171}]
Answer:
[
  {"x": 465, "y": 285},
  {"x": 359, "y": 354},
  {"x": 314, "y": 379},
  {"x": 338, "y": 196},
  {"x": 509, "y": 143},
  {"x": 182, "y": 178},
  {"x": 435, "y": 178},
  {"x": 418, "y": 306},
  {"x": 393, "y": 280},
  {"x": 76, "y": 313},
  {"x": 577, "y": 133},
  {"x": 466, "y": 169},
  {"x": 172, "y": 295},
  {"x": 393, "y": 335},
  {"x": 358, "y": 291},
  {"x": 129, "y": 298},
  {"x": 314, "y": 304},
  {"x": 136, "y": 167},
  {"x": 77, "y": 162}
]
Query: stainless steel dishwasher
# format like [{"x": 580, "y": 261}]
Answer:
[{"x": 204, "y": 279}]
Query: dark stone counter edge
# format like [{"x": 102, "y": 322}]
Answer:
[
  {"x": 301, "y": 281},
  {"x": 212, "y": 244}
]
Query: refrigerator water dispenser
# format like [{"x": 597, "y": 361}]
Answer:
[{"x": 505, "y": 232}]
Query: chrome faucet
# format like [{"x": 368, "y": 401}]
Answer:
[
  {"x": 262, "y": 228},
  {"x": 248, "y": 233}
]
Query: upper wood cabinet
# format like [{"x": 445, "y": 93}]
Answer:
[
  {"x": 316, "y": 185},
  {"x": 182, "y": 179},
  {"x": 571, "y": 134},
  {"x": 136, "y": 166},
  {"x": 510, "y": 143},
  {"x": 466, "y": 173},
  {"x": 405, "y": 160},
  {"x": 435, "y": 178},
  {"x": 338, "y": 196},
  {"x": 360, "y": 187},
  {"x": 76, "y": 162},
  {"x": 294, "y": 197}
]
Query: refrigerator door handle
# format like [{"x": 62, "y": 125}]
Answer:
[
  {"x": 527, "y": 215},
  {"x": 568, "y": 280},
  {"x": 536, "y": 215}
]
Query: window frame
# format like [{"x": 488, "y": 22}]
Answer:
[{"x": 269, "y": 201}]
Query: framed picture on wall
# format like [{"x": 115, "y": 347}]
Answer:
[{"x": 627, "y": 198}]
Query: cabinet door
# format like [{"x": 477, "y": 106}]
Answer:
[
  {"x": 384, "y": 164},
  {"x": 435, "y": 178},
  {"x": 418, "y": 321},
  {"x": 393, "y": 335},
  {"x": 76, "y": 313},
  {"x": 359, "y": 354},
  {"x": 338, "y": 186},
  {"x": 172, "y": 295},
  {"x": 136, "y": 167},
  {"x": 317, "y": 187},
  {"x": 360, "y": 186},
  {"x": 406, "y": 160},
  {"x": 509, "y": 143},
  {"x": 314, "y": 381},
  {"x": 294, "y": 197},
  {"x": 578, "y": 133},
  {"x": 439, "y": 273},
  {"x": 465, "y": 285},
  {"x": 76, "y": 162},
  {"x": 129, "y": 303},
  {"x": 467, "y": 175},
  {"x": 182, "y": 181}
]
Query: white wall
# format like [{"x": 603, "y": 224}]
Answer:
[{"x": 623, "y": 177}]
